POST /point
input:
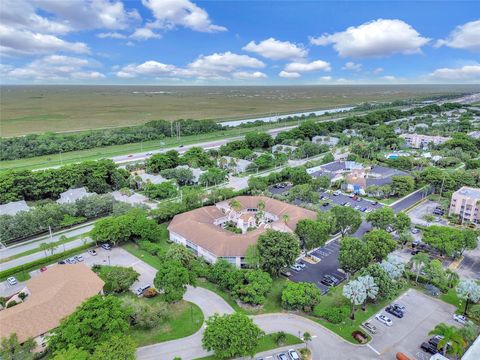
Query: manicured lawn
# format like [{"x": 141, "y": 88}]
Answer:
[
  {"x": 334, "y": 299},
  {"x": 150, "y": 259},
  {"x": 266, "y": 343},
  {"x": 185, "y": 319},
  {"x": 451, "y": 298}
]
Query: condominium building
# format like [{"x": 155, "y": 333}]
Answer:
[
  {"x": 466, "y": 204},
  {"x": 418, "y": 141}
]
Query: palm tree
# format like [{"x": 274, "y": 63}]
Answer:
[
  {"x": 419, "y": 261},
  {"x": 261, "y": 205},
  {"x": 45, "y": 247},
  {"x": 371, "y": 289},
  {"x": 355, "y": 292},
  {"x": 235, "y": 205},
  {"x": 452, "y": 278},
  {"x": 285, "y": 218},
  {"x": 451, "y": 336},
  {"x": 469, "y": 291},
  {"x": 306, "y": 338}
]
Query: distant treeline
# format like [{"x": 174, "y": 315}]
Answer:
[
  {"x": 52, "y": 143},
  {"x": 97, "y": 176}
]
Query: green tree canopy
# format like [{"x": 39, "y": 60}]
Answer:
[
  {"x": 231, "y": 335},
  {"x": 347, "y": 220},
  {"x": 354, "y": 254},
  {"x": 255, "y": 285},
  {"x": 380, "y": 243},
  {"x": 312, "y": 233},
  {"x": 277, "y": 249},
  {"x": 117, "y": 279},
  {"x": 300, "y": 296},
  {"x": 173, "y": 279},
  {"x": 118, "y": 347},
  {"x": 95, "y": 321},
  {"x": 382, "y": 217},
  {"x": 11, "y": 349}
]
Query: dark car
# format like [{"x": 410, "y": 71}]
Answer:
[
  {"x": 325, "y": 204},
  {"x": 62, "y": 262},
  {"x": 435, "y": 340},
  {"x": 415, "y": 252},
  {"x": 394, "y": 311},
  {"x": 429, "y": 348},
  {"x": 327, "y": 281}
]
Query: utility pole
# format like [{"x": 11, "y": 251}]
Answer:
[{"x": 50, "y": 231}]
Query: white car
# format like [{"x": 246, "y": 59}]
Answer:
[
  {"x": 79, "y": 258},
  {"x": 301, "y": 264},
  {"x": 72, "y": 260},
  {"x": 293, "y": 354},
  {"x": 336, "y": 193},
  {"x": 462, "y": 319},
  {"x": 296, "y": 267},
  {"x": 12, "y": 281},
  {"x": 384, "y": 319},
  {"x": 400, "y": 307},
  {"x": 92, "y": 252}
]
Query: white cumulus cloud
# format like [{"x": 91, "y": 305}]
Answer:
[
  {"x": 144, "y": 34},
  {"x": 289, "y": 75},
  {"x": 276, "y": 50},
  {"x": 245, "y": 75},
  {"x": 467, "y": 73},
  {"x": 378, "y": 38},
  {"x": 171, "y": 13},
  {"x": 466, "y": 36},
  {"x": 300, "y": 67},
  {"x": 351, "y": 66}
]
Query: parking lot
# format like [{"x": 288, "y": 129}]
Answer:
[
  {"x": 418, "y": 213},
  {"x": 340, "y": 199},
  {"x": 422, "y": 314},
  {"x": 328, "y": 264}
]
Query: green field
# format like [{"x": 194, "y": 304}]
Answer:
[{"x": 61, "y": 108}]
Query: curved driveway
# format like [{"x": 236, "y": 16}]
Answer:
[{"x": 324, "y": 345}]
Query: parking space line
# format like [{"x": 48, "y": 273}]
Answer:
[{"x": 373, "y": 349}]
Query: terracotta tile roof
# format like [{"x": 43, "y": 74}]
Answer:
[
  {"x": 54, "y": 294},
  {"x": 197, "y": 225}
]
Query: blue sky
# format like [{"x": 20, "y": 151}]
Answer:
[{"x": 239, "y": 42}]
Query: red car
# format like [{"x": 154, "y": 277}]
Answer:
[{"x": 43, "y": 269}]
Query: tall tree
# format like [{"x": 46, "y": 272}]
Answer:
[
  {"x": 355, "y": 292},
  {"x": 380, "y": 243},
  {"x": 277, "y": 249},
  {"x": 469, "y": 291},
  {"x": 419, "y": 260},
  {"x": 118, "y": 347},
  {"x": 11, "y": 349},
  {"x": 382, "y": 218},
  {"x": 353, "y": 255},
  {"x": 347, "y": 220},
  {"x": 312, "y": 233},
  {"x": 371, "y": 289},
  {"x": 402, "y": 222},
  {"x": 95, "y": 321},
  {"x": 300, "y": 296},
  {"x": 450, "y": 337},
  {"x": 173, "y": 279},
  {"x": 231, "y": 335},
  {"x": 393, "y": 266}
]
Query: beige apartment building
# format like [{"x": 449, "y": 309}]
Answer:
[
  {"x": 466, "y": 203},
  {"x": 418, "y": 141}
]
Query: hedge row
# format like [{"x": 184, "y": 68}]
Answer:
[{"x": 42, "y": 262}]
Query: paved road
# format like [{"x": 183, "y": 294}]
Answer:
[
  {"x": 409, "y": 200},
  {"x": 32, "y": 244},
  {"x": 189, "y": 347},
  {"x": 324, "y": 344}
]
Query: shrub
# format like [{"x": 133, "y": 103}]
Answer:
[
  {"x": 11, "y": 303},
  {"x": 150, "y": 292},
  {"x": 3, "y": 301},
  {"x": 333, "y": 315},
  {"x": 22, "y": 296},
  {"x": 150, "y": 247}
]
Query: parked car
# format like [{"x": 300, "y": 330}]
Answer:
[
  {"x": 12, "y": 281},
  {"x": 329, "y": 280},
  {"x": 106, "y": 247},
  {"x": 296, "y": 267},
  {"x": 438, "y": 212},
  {"x": 384, "y": 319},
  {"x": 149, "y": 153},
  {"x": 301, "y": 264},
  {"x": 43, "y": 269},
  {"x": 390, "y": 229},
  {"x": 429, "y": 348},
  {"x": 394, "y": 311},
  {"x": 400, "y": 307},
  {"x": 357, "y": 207},
  {"x": 62, "y": 262},
  {"x": 92, "y": 252},
  {"x": 351, "y": 196},
  {"x": 435, "y": 340},
  {"x": 325, "y": 204},
  {"x": 293, "y": 354},
  {"x": 282, "y": 356},
  {"x": 364, "y": 209},
  {"x": 369, "y": 327},
  {"x": 336, "y": 193},
  {"x": 285, "y": 272},
  {"x": 415, "y": 231},
  {"x": 79, "y": 258},
  {"x": 348, "y": 204},
  {"x": 140, "y": 290},
  {"x": 72, "y": 260},
  {"x": 462, "y": 319},
  {"x": 375, "y": 203}
]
